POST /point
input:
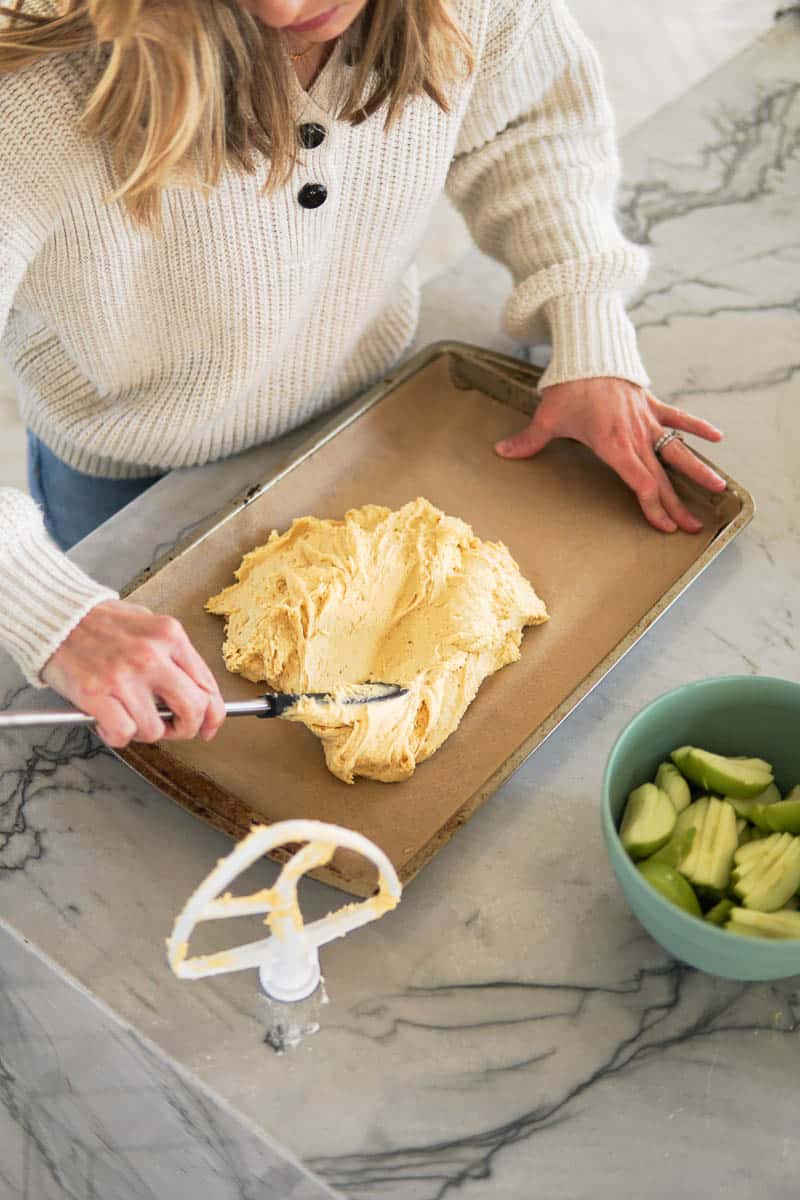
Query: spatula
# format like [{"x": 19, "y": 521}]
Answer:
[{"x": 271, "y": 704}]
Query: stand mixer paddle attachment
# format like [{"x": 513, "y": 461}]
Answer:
[{"x": 288, "y": 960}]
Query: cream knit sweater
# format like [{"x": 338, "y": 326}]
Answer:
[{"x": 250, "y": 313}]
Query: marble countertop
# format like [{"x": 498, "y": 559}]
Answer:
[{"x": 487, "y": 1040}]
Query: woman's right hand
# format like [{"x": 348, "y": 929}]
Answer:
[{"x": 121, "y": 661}]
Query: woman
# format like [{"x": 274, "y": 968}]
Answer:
[{"x": 209, "y": 211}]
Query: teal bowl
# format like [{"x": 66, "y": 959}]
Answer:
[{"x": 738, "y": 715}]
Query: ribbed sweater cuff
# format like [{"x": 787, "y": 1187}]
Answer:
[
  {"x": 43, "y": 595},
  {"x": 592, "y": 336}
]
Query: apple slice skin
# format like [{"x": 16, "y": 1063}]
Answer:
[
  {"x": 648, "y": 821},
  {"x": 783, "y": 816},
  {"x": 673, "y": 852},
  {"x": 671, "y": 885},
  {"x": 719, "y": 914},
  {"x": 760, "y": 819},
  {"x": 670, "y": 780},
  {"x": 680, "y": 756},
  {"x": 676, "y": 851},
  {"x": 753, "y": 810},
  {"x": 743, "y": 778}
]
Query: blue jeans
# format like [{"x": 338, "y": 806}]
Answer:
[{"x": 73, "y": 503}]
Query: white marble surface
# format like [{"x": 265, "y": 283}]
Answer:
[
  {"x": 510, "y": 1030},
  {"x": 651, "y": 53},
  {"x": 87, "y": 1111}
]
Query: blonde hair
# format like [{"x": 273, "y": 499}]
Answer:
[{"x": 186, "y": 88}]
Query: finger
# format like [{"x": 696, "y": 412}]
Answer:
[
  {"x": 187, "y": 702},
  {"x": 632, "y": 471},
  {"x": 525, "y": 444},
  {"x": 141, "y": 706},
  {"x": 671, "y": 501},
  {"x": 195, "y": 666},
  {"x": 114, "y": 725},
  {"x": 190, "y": 665},
  {"x": 681, "y": 458},
  {"x": 676, "y": 418}
]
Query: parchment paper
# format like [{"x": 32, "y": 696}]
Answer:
[{"x": 573, "y": 527}]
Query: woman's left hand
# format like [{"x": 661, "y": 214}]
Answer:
[{"x": 621, "y": 422}]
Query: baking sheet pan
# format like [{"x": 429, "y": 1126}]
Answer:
[{"x": 575, "y": 530}]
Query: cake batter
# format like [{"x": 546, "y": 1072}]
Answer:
[{"x": 409, "y": 596}]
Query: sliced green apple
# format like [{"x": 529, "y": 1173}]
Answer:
[
  {"x": 753, "y": 810},
  {"x": 671, "y": 885},
  {"x": 769, "y": 874},
  {"x": 708, "y": 863},
  {"x": 675, "y": 850},
  {"x": 782, "y": 924},
  {"x": 670, "y": 780},
  {"x": 648, "y": 821},
  {"x": 783, "y": 816},
  {"x": 743, "y": 778},
  {"x": 719, "y": 914}
]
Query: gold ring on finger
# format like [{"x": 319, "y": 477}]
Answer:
[{"x": 665, "y": 439}]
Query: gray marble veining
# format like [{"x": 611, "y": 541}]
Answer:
[
  {"x": 86, "y": 1111},
  {"x": 509, "y": 1031}
]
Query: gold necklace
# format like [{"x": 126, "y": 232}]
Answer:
[{"x": 301, "y": 53}]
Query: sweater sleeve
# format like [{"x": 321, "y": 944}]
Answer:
[
  {"x": 535, "y": 177},
  {"x": 43, "y": 595}
]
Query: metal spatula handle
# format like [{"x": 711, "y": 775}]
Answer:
[
  {"x": 272, "y": 704},
  {"x": 72, "y": 716}
]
